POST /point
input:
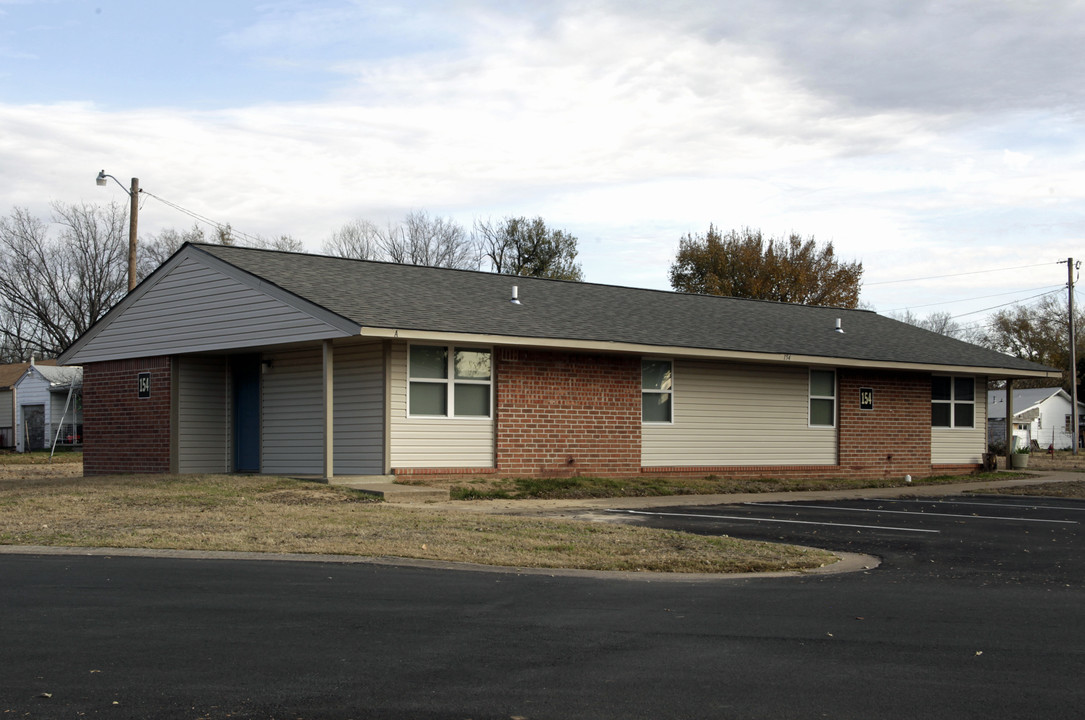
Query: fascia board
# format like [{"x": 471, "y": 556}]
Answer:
[{"x": 696, "y": 353}]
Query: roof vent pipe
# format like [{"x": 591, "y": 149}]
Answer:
[
  {"x": 838, "y": 328},
  {"x": 515, "y": 295}
]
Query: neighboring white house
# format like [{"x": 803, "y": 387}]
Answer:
[
  {"x": 1041, "y": 417},
  {"x": 48, "y": 407}
]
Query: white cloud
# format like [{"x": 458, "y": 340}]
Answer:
[{"x": 629, "y": 127}]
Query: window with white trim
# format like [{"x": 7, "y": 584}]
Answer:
[
  {"x": 822, "y": 398},
  {"x": 656, "y": 390},
  {"x": 448, "y": 381},
  {"x": 953, "y": 401}
]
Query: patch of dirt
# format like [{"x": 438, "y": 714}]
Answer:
[
  {"x": 1062, "y": 461},
  {"x": 308, "y": 497},
  {"x": 51, "y": 471}
]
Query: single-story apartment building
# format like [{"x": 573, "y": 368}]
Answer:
[
  {"x": 1041, "y": 417},
  {"x": 230, "y": 359}
]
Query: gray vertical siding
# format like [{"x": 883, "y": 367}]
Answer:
[
  {"x": 292, "y": 418},
  {"x": 359, "y": 408},
  {"x": 203, "y": 415},
  {"x": 195, "y": 308}
]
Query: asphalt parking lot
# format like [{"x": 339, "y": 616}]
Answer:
[
  {"x": 981, "y": 539},
  {"x": 975, "y": 611}
]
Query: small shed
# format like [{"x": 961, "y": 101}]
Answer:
[
  {"x": 9, "y": 373},
  {"x": 48, "y": 407}
]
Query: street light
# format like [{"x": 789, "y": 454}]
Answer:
[{"x": 133, "y": 220}]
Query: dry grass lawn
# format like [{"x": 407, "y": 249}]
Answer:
[
  {"x": 1070, "y": 490},
  {"x": 54, "y": 505}
]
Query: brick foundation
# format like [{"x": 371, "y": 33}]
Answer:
[
  {"x": 124, "y": 433},
  {"x": 565, "y": 413}
]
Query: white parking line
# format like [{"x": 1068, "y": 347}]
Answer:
[
  {"x": 771, "y": 520},
  {"x": 909, "y": 512},
  {"x": 978, "y": 504}
]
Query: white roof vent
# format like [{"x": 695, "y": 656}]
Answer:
[
  {"x": 515, "y": 295},
  {"x": 838, "y": 328}
]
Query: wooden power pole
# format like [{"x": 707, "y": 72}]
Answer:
[
  {"x": 133, "y": 221},
  {"x": 1070, "y": 268}
]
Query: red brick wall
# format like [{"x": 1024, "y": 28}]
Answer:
[
  {"x": 566, "y": 413},
  {"x": 123, "y": 433},
  {"x": 893, "y": 438}
]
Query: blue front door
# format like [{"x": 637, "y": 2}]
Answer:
[{"x": 247, "y": 413}]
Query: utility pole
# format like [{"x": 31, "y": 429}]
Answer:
[
  {"x": 133, "y": 221},
  {"x": 1070, "y": 268}
]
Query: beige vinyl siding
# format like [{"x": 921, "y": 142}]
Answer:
[
  {"x": 963, "y": 445},
  {"x": 195, "y": 308},
  {"x": 358, "y": 374},
  {"x": 434, "y": 442},
  {"x": 729, "y": 414},
  {"x": 203, "y": 415},
  {"x": 292, "y": 420}
]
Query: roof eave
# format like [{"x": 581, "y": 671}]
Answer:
[{"x": 697, "y": 353}]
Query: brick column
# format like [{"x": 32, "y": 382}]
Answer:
[
  {"x": 894, "y": 436},
  {"x": 566, "y": 413},
  {"x": 122, "y": 431}
]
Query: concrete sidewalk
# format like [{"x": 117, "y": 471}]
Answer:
[{"x": 585, "y": 505}]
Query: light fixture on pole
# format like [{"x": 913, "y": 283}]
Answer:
[{"x": 133, "y": 220}]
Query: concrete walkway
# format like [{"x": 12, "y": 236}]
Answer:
[{"x": 588, "y": 505}]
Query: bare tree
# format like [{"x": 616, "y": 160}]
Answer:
[
  {"x": 432, "y": 241},
  {"x": 158, "y": 248},
  {"x": 358, "y": 240},
  {"x": 939, "y": 322},
  {"x": 519, "y": 246},
  {"x": 420, "y": 239},
  {"x": 53, "y": 288}
]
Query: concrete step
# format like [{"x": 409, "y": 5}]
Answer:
[{"x": 389, "y": 491}]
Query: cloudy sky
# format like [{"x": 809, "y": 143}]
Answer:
[{"x": 922, "y": 138}]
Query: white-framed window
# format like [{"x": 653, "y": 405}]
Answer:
[
  {"x": 822, "y": 398},
  {"x": 953, "y": 401},
  {"x": 449, "y": 381},
  {"x": 657, "y": 390}
]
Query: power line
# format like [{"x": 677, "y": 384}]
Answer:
[
  {"x": 974, "y": 272},
  {"x": 1046, "y": 288},
  {"x": 995, "y": 307},
  {"x": 201, "y": 218}
]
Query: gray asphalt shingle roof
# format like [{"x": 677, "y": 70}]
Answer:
[{"x": 385, "y": 295}]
